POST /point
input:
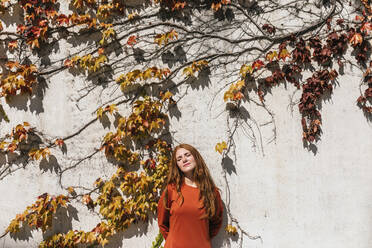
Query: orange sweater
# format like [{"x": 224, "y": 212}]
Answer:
[{"x": 182, "y": 227}]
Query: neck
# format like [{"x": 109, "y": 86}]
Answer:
[{"x": 190, "y": 181}]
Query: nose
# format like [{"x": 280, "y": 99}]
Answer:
[{"x": 184, "y": 159}]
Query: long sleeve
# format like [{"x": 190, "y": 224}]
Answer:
[
  {"x": 216, "y": 222},
  {"x": 163, "y": 216}
]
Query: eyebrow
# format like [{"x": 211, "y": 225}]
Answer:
[{"x": 186, "y": 153}]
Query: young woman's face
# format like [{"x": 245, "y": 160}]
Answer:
[{"x": 185, "y": 161}]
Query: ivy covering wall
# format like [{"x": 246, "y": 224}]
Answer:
[{"x": 119, "y": 72}]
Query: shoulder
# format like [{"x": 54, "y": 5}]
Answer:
[
  {"x": 171, "y": 187},
  {"x": 217, "y": 193}
]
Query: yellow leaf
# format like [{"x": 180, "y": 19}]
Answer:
[
  {"x": 240, "y": 84},
  {"x": 271, "y": 55},
  {"x": 220, "y": 147},
  {"x": 111, "y": 108},
  {"x": 71, "y": 191},
  {"x": 159, "y": 39},
  {"x": 284, "y": 54},
  {"x": 99, "y": 113},
  {"x": 244, "y": 69},
  {"x": 54, "y": 204},
  {"x": 104, "y": 242},
  {"x": 45, "y": 152},
  {"x": 231, "y": 230},
  {"x": 166, "y": 95},
  {"x": 228, "y": 95},
  {"x": 188, "y": 71},
  {"x": 132, "y": 16}
]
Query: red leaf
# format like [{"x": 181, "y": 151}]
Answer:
[
  {"x": 257, "y": 64},
  {"x": 21, "y": 29},
  {"x": 59, "y": 142},
  {"x": 359, "y": 18},
  {"x": 132, "y": 40},
  {"x": 340, "y": 22},
  {"x": 366, "y": 27},
  {"x": 269, "y": 28},
  {"x": 63, "y": 19}
]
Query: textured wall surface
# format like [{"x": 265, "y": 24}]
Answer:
[
  {"x": 282, "y": 194},
  {"x": 286, "y": 194}
]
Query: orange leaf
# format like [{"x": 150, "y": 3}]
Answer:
[
  {"x": 101, "y": 50},
  {"x": 12, "y": 147},
  {"x": 68, "y": 63},
  {"x": 12, "y": 45},
  {"x": 356, "y": 39},
  {"x": 237, "y": 96},
  {"x": 33, "y": 43},
  {"x": 87, "y": 200},
  {"x": 43, "y": 23},
  {"x": 12, "y": 64},
  {"x": 216, "y": 6},
  {"x": 179, "y": 5}
]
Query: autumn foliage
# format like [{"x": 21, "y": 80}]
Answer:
[{"x": 140, "y": 146}]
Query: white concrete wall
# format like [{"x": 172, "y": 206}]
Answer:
[{"x": 288, "y": 195}]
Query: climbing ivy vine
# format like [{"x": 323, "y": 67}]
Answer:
[{"x": 149, "y": 49}]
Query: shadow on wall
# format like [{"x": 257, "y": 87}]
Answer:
[
  {"x": 135, "y": 230},
  {"x": 223, "y": 239},
  {"x": 62, "y": 223}
]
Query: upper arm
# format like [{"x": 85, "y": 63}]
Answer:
[
  {"x": 164, "y": 214},
  {"x": 215, "y": 222}
]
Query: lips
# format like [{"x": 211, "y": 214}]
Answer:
[{"x": 186, "y": 165}]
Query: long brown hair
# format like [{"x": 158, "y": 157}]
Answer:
[{"x": 201, "y": 177}]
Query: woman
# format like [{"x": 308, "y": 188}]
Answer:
[{"x": 190, "y": 208}]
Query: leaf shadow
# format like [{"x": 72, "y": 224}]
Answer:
[
  {"x": 201, "y": 81},
  {"x": 228, "y": 165},
  {"x": 24, "y": 233},
  {"x": 62, "y": 221},
  {"x": 172, "y": 58},
  {"x": 311, "y": 146},
  {"x": 50, "y": 165}
]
